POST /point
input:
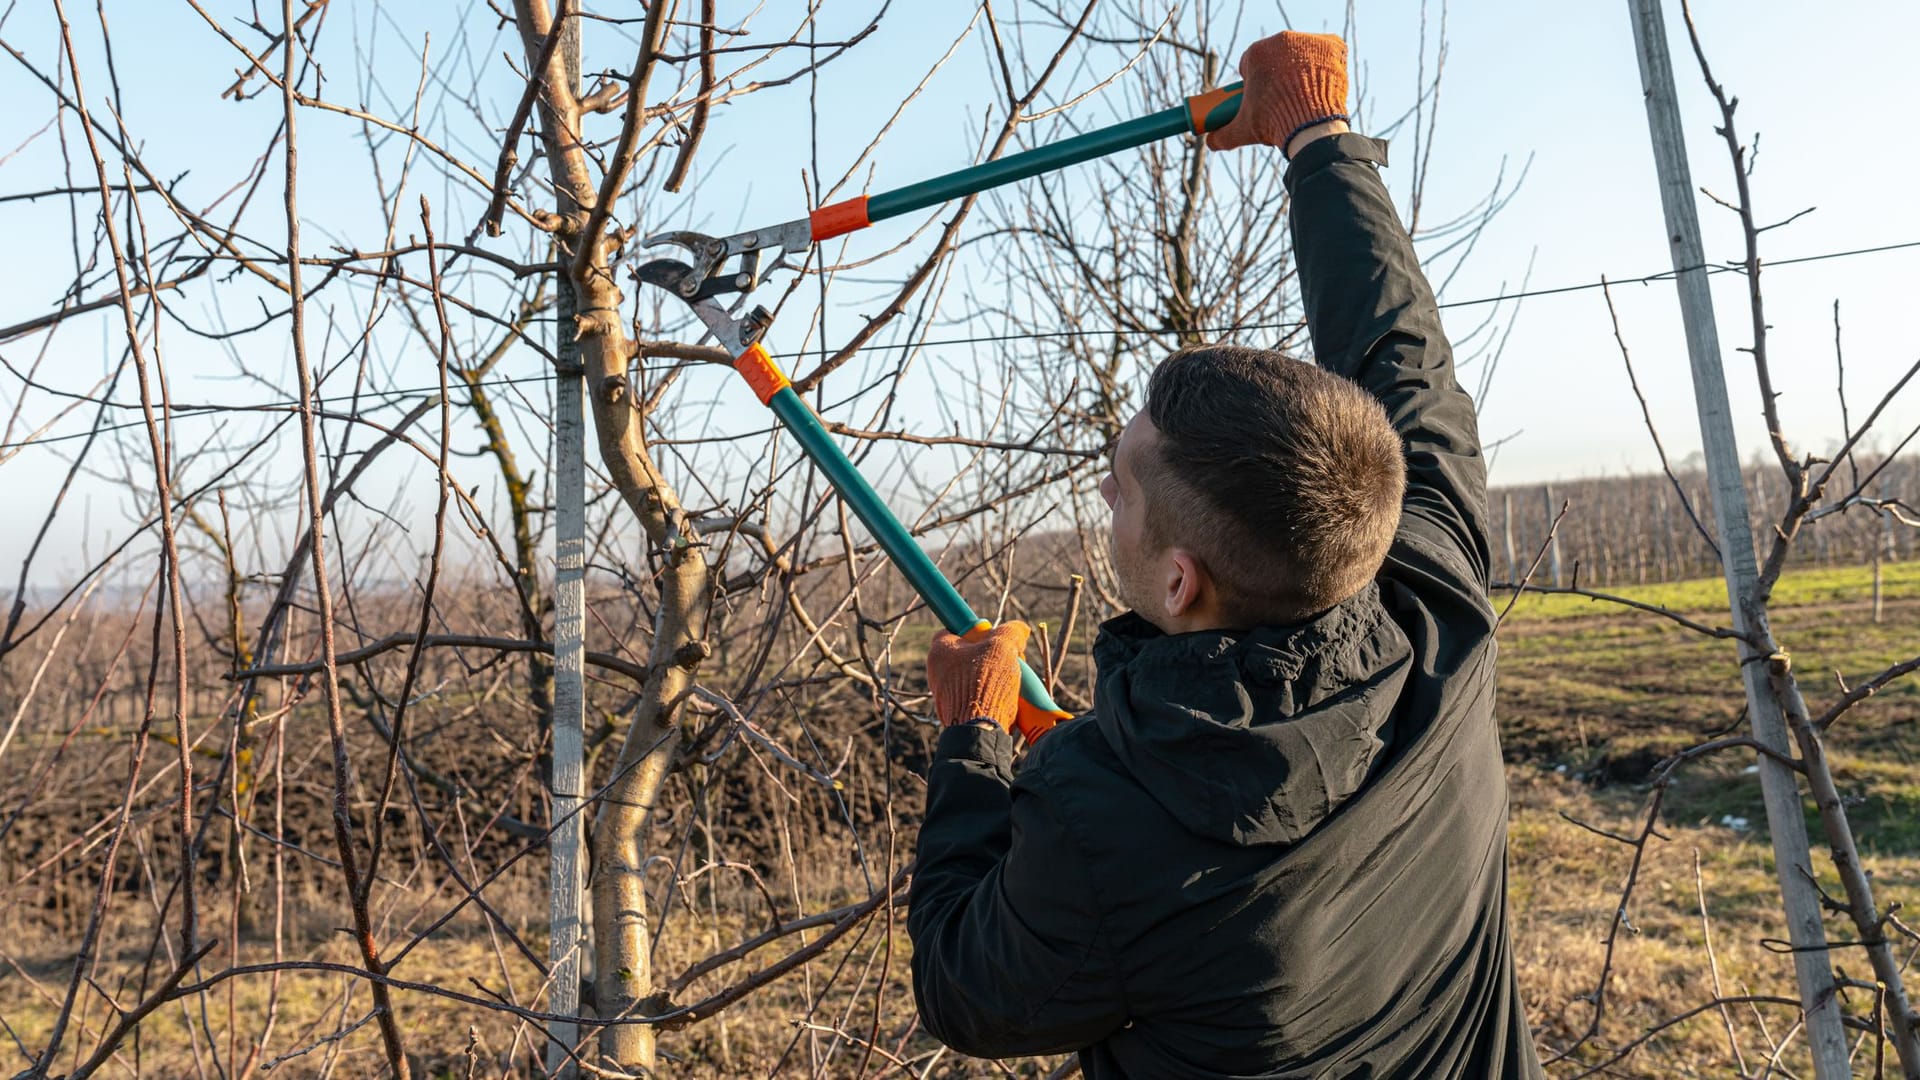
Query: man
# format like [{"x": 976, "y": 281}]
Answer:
[{"x": 1277, "y": 846}]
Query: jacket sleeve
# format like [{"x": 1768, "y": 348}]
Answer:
[
  {"x": 1009, "y": 950},
  {"x": 1373, "y": 319}
]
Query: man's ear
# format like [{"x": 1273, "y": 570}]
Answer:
[{"x": 1189, "y": 588}]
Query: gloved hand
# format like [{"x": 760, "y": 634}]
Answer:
[
  {"x": 978, "y": 675},
  {"x": 1294, "y": 81}
]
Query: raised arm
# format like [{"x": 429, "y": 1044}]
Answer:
[
  {"x": 1369, "y": 308},
  {"x": 1373, "y": 319}
]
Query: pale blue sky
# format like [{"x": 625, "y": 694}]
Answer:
[
  {"x": 1555, "y": 83},
  {"x": 1831, "y": 97}
]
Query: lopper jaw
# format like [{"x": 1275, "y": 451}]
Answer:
[
  {"x": 707, "y": 274},
  {"x": 704, "y": 277},
  {"x": 736, "y": 334}
]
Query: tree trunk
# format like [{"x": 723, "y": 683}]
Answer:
[{"x": 623, "y": 977}]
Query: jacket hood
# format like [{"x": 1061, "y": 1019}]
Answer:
[{"x": 1252, "y": 737}]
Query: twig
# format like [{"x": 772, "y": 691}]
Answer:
[
  {"x": 587, "y": 256},
  {"x": 269, "y": 1066},
  {"x": 1713, "y": 963},
  {"x": 407, "y": 682},
  {"x": 1610, "y": 598},
  {"x": 636, "y": 672},
  {"x": 702, "y": 103},
  {"x": 1840, "y": 392},
  {"x": 1621, "y": 1052},
  {"x": 752, "y": 731},
  {"x": 509, "y": 146},
  {"x": 786, "y": 929},
  {"x": 1663, "y": 779},
  {"x": 1862, "y": 691},
  {"x": 1076, "y": 584},
  {"x": 323, "y": 592},
  {"x": 706, "y": 1007},
  {"x": 1646, "y": 413}
]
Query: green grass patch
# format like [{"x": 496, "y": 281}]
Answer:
[
  {"x": 1602, "y": 694},
  {"x": 1847, "y": 584}
]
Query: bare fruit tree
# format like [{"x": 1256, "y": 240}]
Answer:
[
  {"x": 277, "y": 665},
  {"x": 1810, "y": 492},
  {"x": 283, "y": 592},
  {"x": 278, "y": 660}
]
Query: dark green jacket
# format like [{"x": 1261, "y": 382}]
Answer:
[{"x": 1279, "y": 853}]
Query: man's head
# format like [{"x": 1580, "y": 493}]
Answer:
[{"x": 1254, "y": 489}]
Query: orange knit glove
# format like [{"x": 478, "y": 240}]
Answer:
[
  {"x": 978, "y": 675},
  {"x": 1294, "y": 81}
]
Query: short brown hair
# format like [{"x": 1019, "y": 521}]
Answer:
[{"x": 1284, "y": 479}]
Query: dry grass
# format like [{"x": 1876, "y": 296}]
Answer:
[
  {"x": 1590, "y": 699},
  {"x": 1565, "y": 884}
]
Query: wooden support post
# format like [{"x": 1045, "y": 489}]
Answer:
[
  {"x": 566, "y": 941},
  {"x": 1506, "y": 532},
  {"x": 1826, "y": 1038},
  {"x": 1881, "y": 543},
  {"x": 1665, "y": 524},
  {"x": 1553, "y": 535}
]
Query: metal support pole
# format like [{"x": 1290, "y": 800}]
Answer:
[
  {"x": 1826, "y": 1038},
  {"x": 566, "y": 939}
]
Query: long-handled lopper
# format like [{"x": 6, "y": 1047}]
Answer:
[{"x": 703, "y": 279}]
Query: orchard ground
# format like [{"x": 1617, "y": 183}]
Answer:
[{"x": 1593, "y": 697}]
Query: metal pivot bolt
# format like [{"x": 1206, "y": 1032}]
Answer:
[{"x": 755, "y": 324}]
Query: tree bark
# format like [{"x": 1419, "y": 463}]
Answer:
[{"x": 623, "y": 980}]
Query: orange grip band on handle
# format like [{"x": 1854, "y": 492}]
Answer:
[
  {"x": 1199, "y": 105},
  {"x": 1031, "y": 721},
  {"x": 758, "y": 368},
  {"x": 838, "y": 219}
]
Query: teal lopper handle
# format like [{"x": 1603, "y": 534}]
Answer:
[
  {"x": 1199, "y": 114},
  {"x": 927, "y": 580}
]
